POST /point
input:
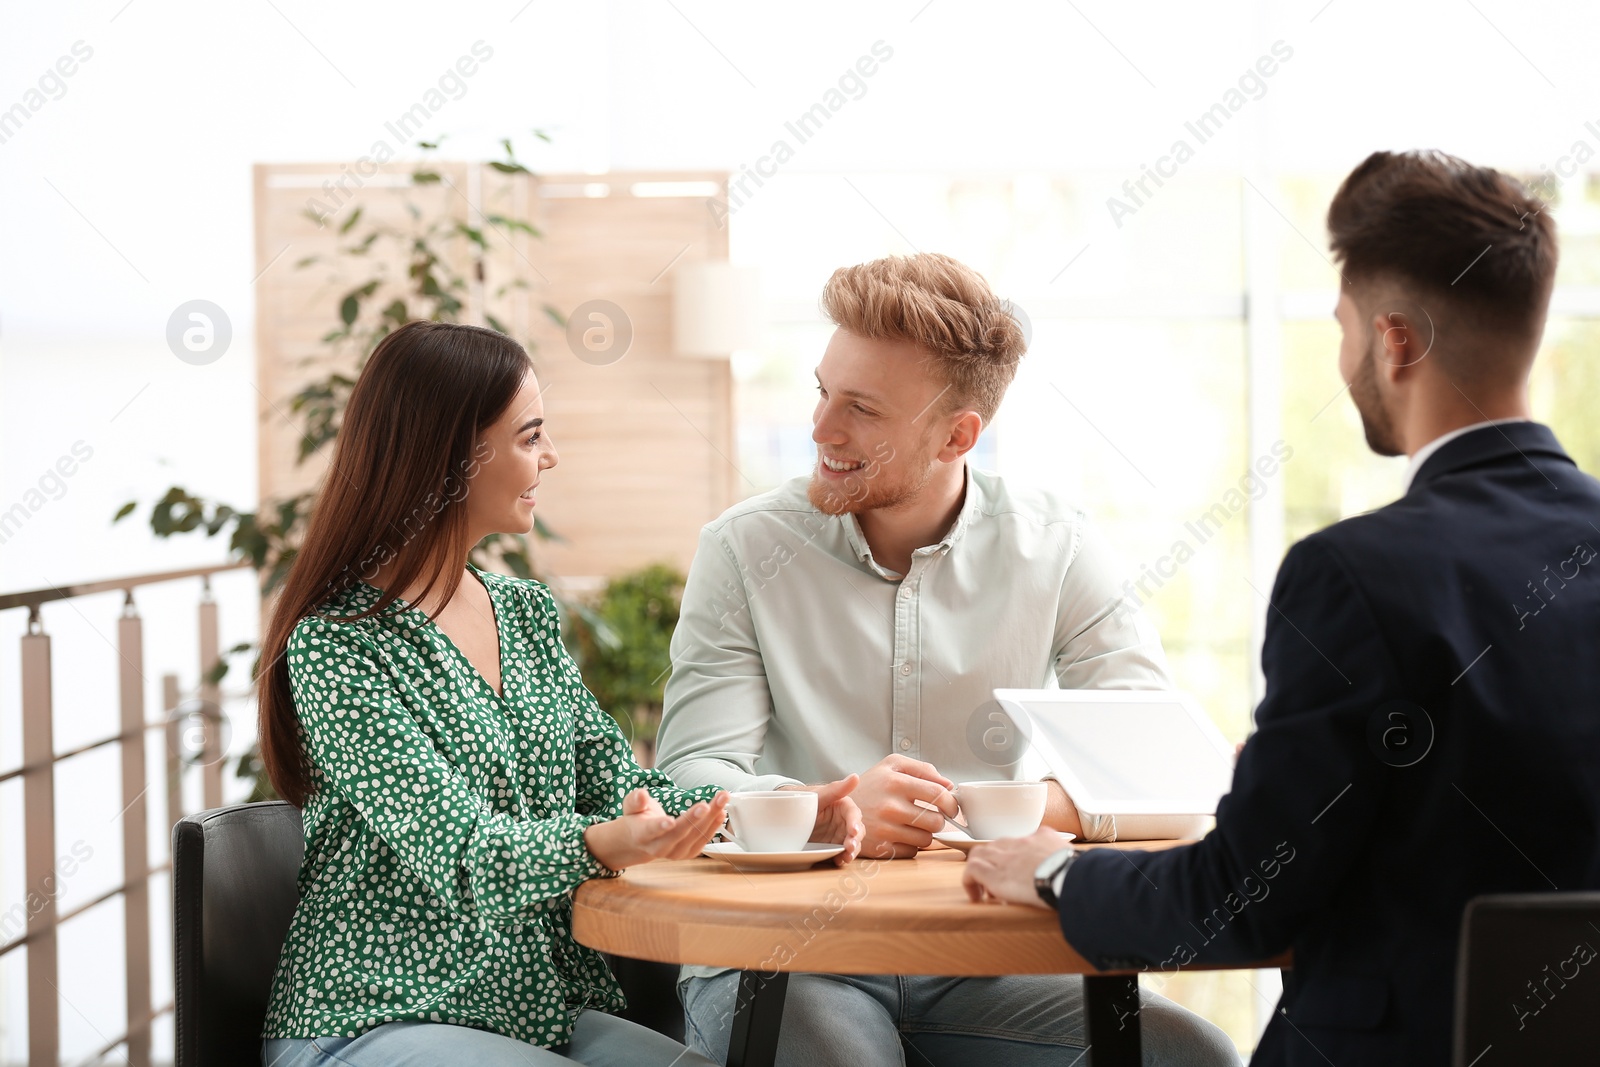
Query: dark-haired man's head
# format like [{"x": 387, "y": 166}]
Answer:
[{"x": 1447, "y": 273}]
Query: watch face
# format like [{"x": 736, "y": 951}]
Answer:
[
  {"x": 1047, "y": 876},
  {"x": 1052, "y": 864}
]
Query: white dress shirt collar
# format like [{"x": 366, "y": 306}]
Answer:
[{"x": 1420, "y": 456}]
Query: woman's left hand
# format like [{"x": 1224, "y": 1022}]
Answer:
[{"x": 645, "y": 832}]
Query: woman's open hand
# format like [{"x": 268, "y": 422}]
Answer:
[{"x": 645, "y": 832}]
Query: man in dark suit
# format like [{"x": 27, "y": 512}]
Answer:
[{"x": 1431, "y": 725}]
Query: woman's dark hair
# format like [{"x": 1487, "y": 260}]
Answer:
[
  {"x": 1468, "y": 236},
  {"x": 407, "y": 446}
]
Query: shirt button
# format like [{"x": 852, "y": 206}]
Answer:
[
  {"x": 905, "y": 668},
  {"x": 905, "y": 744},
  {"x": 905, "y": 590}
]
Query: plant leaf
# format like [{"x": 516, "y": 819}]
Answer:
[{"x": 514, "y": 224}]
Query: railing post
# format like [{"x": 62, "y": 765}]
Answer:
[
  {"x": 174, "y": 733},
  {"x": 39, "y": 846},
  {"x": 135, "y": 835},
  {"x": 210, "y": 702},
  {"x": 42, "y": 865}
]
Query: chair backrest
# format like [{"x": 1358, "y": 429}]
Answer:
[
  {"x": 1528, "y": 980},
  {"x": 234, "y": 893}
]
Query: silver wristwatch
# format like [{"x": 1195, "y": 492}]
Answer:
[{"x": 1049, "y": 876}]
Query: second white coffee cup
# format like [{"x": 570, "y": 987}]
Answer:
[
  {"x": 775, "y": 820},
  {"x": 1001, "y": 809}
]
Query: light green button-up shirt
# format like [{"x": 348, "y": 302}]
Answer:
[{"x": 798, "y": 658}]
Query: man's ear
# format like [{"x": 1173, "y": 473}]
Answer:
[
  {"x": 1402, "y": 344},
  {"x": 963, "y": 436}
]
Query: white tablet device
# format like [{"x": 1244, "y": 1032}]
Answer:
[{"x": 1139, "y": 752}]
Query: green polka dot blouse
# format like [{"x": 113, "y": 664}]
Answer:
[{"x": 444, "y": 837}]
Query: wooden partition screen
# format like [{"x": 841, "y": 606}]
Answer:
[{"x": 646, "y": 441}]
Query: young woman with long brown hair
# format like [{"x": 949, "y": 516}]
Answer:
[{"x": 456, "y": 778}]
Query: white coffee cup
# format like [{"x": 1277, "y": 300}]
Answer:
[
  {"x": 776, "y": 820},
  {"x": 1001, "y": 809}
]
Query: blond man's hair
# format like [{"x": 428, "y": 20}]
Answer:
[{"x": 940, "y": 305}]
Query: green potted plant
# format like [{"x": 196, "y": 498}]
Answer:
[
  {"x": 387, "y": 275},
  {"x": 624, "y": 643}
]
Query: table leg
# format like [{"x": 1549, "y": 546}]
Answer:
[
  {"x": 1113, "y": 1004},
  {"x": 757, "y": 1015}
]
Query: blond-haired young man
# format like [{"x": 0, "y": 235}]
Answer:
[{"x": 856, "y": 620}]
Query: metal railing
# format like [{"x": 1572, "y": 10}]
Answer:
[{"x": 37, "y": 771}]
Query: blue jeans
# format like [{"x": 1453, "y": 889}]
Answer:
[
  {"x": 598, "y": 1040},
  {"x": 890, "y": 1021}
]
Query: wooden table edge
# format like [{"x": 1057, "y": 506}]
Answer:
[{"x": 613, "y": 915}]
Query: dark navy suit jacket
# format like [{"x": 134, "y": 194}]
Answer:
[{"x": 1430, "y": 732}]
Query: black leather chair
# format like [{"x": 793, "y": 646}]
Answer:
[
  {"x": 1528, "y": 980},
  {"x": 234, "y": 893},
  {"x": 651, "y": 989}
]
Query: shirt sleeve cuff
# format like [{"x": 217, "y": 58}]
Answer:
[
  {"x": 1095, "y": 827},
  {"x": 1098, "y": 827},
  {"x": 762, "y": 783},
  {"x": 597, "y": 869},
  {"x": 675, "y": 801}
]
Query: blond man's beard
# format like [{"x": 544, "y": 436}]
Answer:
[{"x": 863, "y": 492}]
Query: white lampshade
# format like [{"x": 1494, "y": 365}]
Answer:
[{"x": 716, "y": 309}]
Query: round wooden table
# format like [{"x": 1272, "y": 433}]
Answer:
[{"x": 871, "y": 917}]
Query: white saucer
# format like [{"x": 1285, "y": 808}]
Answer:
[
  {"x": 959, "y": 840},
  {"x": 734, "y": 855},
  {"x": 964, "y": 843}
]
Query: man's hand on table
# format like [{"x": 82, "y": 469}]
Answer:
[
  {"x": 838, "y": 816},
  {"x": 896, "y": 827},
  {"x": 1003, "y": 870}
]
